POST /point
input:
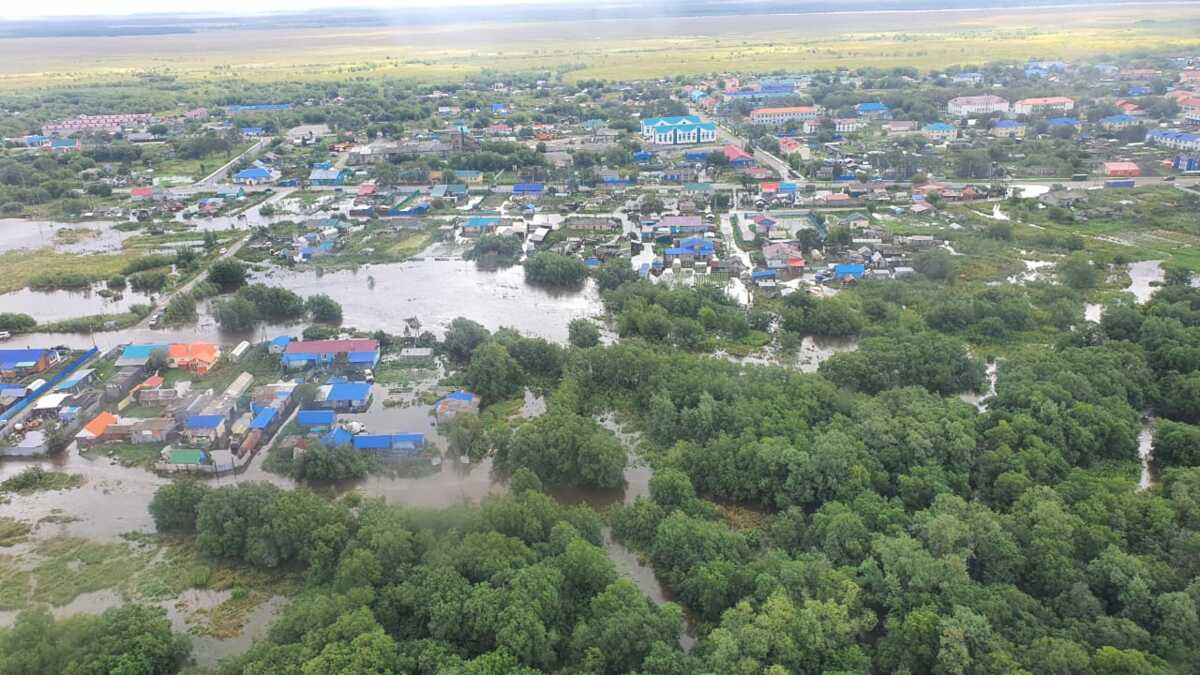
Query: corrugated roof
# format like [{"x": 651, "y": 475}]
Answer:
[
  {"x": 263, "y": 419},
  {"x": 203, "y": 422},
  {"x": 315, "y": 418},
  {"x": 349, "y": 391},
  {"x": 332, "y": 346}
]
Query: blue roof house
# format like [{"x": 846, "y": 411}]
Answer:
[
  {"x": 872, "y": 109},
  {"x": 351, "y": 397},
  {"x": 328, "y": 176},
  {"x": 254, "y": 175}
]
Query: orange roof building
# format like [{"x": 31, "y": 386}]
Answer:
[
  {"x": 99, "y": 424},
  {"x": 197, "y": 357}
]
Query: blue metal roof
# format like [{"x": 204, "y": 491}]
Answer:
[
  {"x": 349, "y": 391},
  {"x": 281, "y": 341},
  {"x": 460, "y": 396},
  {"x": 203, "y": 422},
  {"x": 362, "y": 357},
  {"x": 337, "y": 437},
  {"x": 372, "y": 442},
  {"x": 138, "y": 351},
  {"x": 316, "y": 418},
  {"x": 528, "y": 188},
  {"x": 263, "y": 419}
]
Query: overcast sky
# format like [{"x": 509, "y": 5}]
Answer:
[{"x": 110, "y": 7}]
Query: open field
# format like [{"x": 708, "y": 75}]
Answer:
[{"x": 613, "y": 49}]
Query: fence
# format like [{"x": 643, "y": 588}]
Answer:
[{"x": 34, "y": 395}]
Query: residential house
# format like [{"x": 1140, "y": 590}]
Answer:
[
  {"x": 349, "y": 397},
  {"x": 737, "y": 157},
  {"x": 477, "y": 226},
  {"x": 255, "y": 175},
  {"x": 454, "y": 403},
  {"x": 690, "y": 250},
  {"x": 17, "y": 363},
  {"x": 198, "y": 357},
  {"x": 305, "y": 353},
  {"x": 899, "y": 127},
  {"x": 230, "y": 192},
  {"x": 786, "y": 260},
  {"x": 328, "y": 177},
  {"x": 204, "y": 429},
  {"x": 390, "y": 446}
]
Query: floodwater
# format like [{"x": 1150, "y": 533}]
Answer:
[
  {"x": 18, "y": 233},
  {"x": 67, "y": 304},
  {"x": 1093, "y": 311},
  {"x": 814, "y": 351},
  {"x": 979, "y": 399},
  {"x": 437, "y": 291},
  {"x": 1033, "y": 271},
  {"x": 1144, "y": 276},
  {"x": 1028, "y": 191}
]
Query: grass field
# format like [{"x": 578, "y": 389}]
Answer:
[{"x": 612, "y": 49}]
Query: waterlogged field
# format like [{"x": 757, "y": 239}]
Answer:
[{"x": 612, "y": 49}]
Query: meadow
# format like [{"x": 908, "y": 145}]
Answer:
[{"x": 608, "y": 49}]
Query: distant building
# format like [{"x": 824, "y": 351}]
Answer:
[
  {"x": 939, "y": 131},
  {"x": 783, "y": 115},
  {"x": 1176, "y": 140},
  {"x": 1122, "y": 169},
  {"x": 681, "y": 130},
  {"x": 1046, "y": 104},
  {"x": 306, "y": 353},
  {"x": 455, "y": 403},
  {"x": 1118, "y": 122},
  {"x": 872, "y": 109},
  {"x": 328, "y": 176},
  {"x": 1008, "y": 129},
  {"x": 254, "y": 175}
]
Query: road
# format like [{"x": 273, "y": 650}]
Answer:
[
  {"x": 726, "y": 136},
  {"x": 218, "y": 176}
]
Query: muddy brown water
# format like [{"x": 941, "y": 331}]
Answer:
[
  {"x": 63, "y": 304},
  {"x": 114, "y": 500}
]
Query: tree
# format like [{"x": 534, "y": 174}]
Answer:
[
  {"x": 614, "y": 272},
  {"x": 237, "y": 315},
  {"x": 1176, "y": 444},
  {"x": 1175, "y": 275},
  {"x": 563, "y": 448},
  {"x": 936, "y": 264},
  {"x": 552, "y": 269},
  {"x": 228, "y": 274},
  {"x": 324, "y": 308},
  {"x": 462, "y": 337},
  {"x": 174, "y": 506},
  {"x": 493, "y": 373},
  {"x": 582, "y": 333},
  {"x": 17, "y": 323},
  {"x": 180, "y": 310}
]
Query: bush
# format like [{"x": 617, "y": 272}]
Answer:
[
  {"x": 181, "y": 310},
  {"x": 49, "y": 281},
  {"x": 17, "y": 323},
  {"x": 583, "y": 333},
  {"x": 552, "y": 269},
  {"x": 147, "y": 262},
  {"x": 151, "y": 281},
  {"x": 174, "y": 506}
]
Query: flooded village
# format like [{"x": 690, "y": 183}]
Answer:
[{"x": 282, "y": 292}]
